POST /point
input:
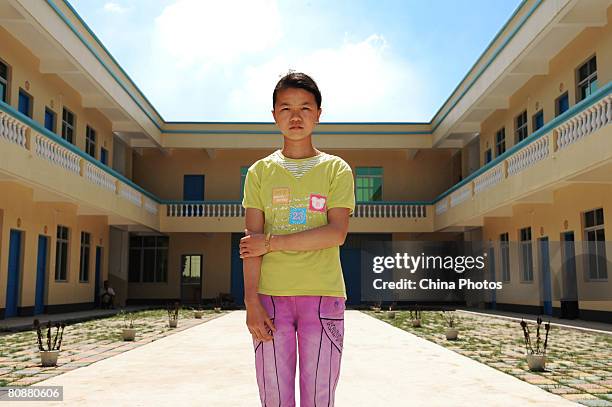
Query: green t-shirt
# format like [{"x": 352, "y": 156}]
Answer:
[{"x": 294, "y": 195}]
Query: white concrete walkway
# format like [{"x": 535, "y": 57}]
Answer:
[{"x": 213, "y": 365}]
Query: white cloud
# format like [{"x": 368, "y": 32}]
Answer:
[
  {"x": 220, "y": 61},
  {"x": 360, "y": 81},
  {"x": 112, "y": 7},
  {"x": 203, "y": 33}
]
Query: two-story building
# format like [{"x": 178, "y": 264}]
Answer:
[{"x": 95, "y": 185}]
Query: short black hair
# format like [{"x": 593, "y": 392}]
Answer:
[{"x": 297, "y": 80}]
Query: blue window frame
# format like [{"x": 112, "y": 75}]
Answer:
[
  {"x": 50, "y": 120},
  {"x": 538, "y": 120},
  {"x": 500, "y": 141},
  {"x": 587, "y": 79},
  {"x": 562, "y": 104},
  {"x": 25, "y": 103},
  {"x": 369, "y": 184},
  {"x": 3, "y": 82}
]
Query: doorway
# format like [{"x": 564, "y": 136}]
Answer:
[
  {"x": 191, "y": 278},
  {"x": 14, "y": 274},
  {"x": 569, "y": 298},
  {"x": 41, "y": 274},
  {"x": 545, "y": 280}
]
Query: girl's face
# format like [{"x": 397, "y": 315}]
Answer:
[{"x": 296, "y": 113}]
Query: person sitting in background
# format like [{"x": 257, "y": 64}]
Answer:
[{"x": 107, "y": 296}]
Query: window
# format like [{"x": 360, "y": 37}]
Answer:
[
  {"x": 595, "y": 244},
  {"x": 369, "y": 184},
  {"x": 526, "y": 253},
  {"x": 561, "y": 104},
  {"x": 49, "y": 120},
  {"x": 84, "y": 269},
  {"x": 148, "y": 261},
  {"x": 500, "y": 142},
  {"x": 3, "y": 82},
  {"x": 243, "y": 173},
  {"x": 587, "y": 79},
  {"x": 488, "y": 156},
  {"x": 538, "y": 120},
  {"x": 68, "y": 125},
  {"x": 504, "y": 246},
  {"x": 90, "y": 141},
  {"x": 61, "y": 253},
  {"x": 25, "y": 103},
  {"x": 521, "y": 130}
]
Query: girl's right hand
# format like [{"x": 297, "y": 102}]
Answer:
[{"x": 258, "y": 321}]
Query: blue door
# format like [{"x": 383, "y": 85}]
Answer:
[
  {"x": 25, "y": 103},
  {"x": 103, "y": 156},
  {"x": 545, "y": 274},
  {"x": 193, "y": 188},
  {"x": 98, "y": 276},
  {"x": 237, "y": 283},
  {"x": 41, "y": 272},
  {"x": 14, "y": 268},
  {"x": 491, "y": 264},
  {"x": 350, "y": 259}
]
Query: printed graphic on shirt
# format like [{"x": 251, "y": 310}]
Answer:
[
  {"x": 317, "y": 203},
  {"x": 280, "y": 196},
  {"x": 297, "y": 216}
]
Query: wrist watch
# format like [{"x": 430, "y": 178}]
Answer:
[{"x": 267, "y": 241}]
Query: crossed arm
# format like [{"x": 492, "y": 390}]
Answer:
[{"x": 332, "y": 234}]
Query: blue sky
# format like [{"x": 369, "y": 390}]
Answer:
[{"x": 374, "y": 61}]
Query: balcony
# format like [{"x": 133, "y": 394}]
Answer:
[
  {"x": 575, "y": 147},
  {"x": 57, "y": 171},
  {"x": 228, "y": 216}
]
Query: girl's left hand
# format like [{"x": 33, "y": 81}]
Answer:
[{"x": 252, "y": 245}]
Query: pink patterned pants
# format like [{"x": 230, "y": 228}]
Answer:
[{"x": 318, "y": 324}]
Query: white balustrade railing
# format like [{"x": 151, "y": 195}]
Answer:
[
  {"x": 129, "y": 193},
  {"x": 489, "y": 178},
  {"x": 56, "y": 154},
  {"x": 460, "y": 195},
  {"x": 585, "y": 123},
  {"x": 528, "y": 155},
  {"x": 150, "y": 205},
  {"x": 390, "y": 210},
  {"x": 205, "y": 210},
  {"x": 100, "y": 177},
  {"x": 221, "y": 210},
  {"x": 442, "y": 206},
  {"x": 12, "y": 130}
]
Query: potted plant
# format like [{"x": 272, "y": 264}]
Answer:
[
  {"x": 129, "y": 332},
  {"x": 376, "y": 307},
  {"x": 218, "y": 301},
  {"x": 451, "y": 325},
  {"x": 198, "y": 312},
  {"x": 391, "y": 312},
  {"x": 50, "y": 352},
  {"x": 415, "y": 316},
  {"x": 536, "y": 357},
  {"x": 173, "y": 314}
]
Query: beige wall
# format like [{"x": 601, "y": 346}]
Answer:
[
  {"x": 216, "y": 270},
  {"x": 41, "y": 218},
  {"x": 551, "y": 220},
  {"x": 48, "y": 90},
  {"x": 541, "y": 91},
  {"x": 425, "y": 176}
]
